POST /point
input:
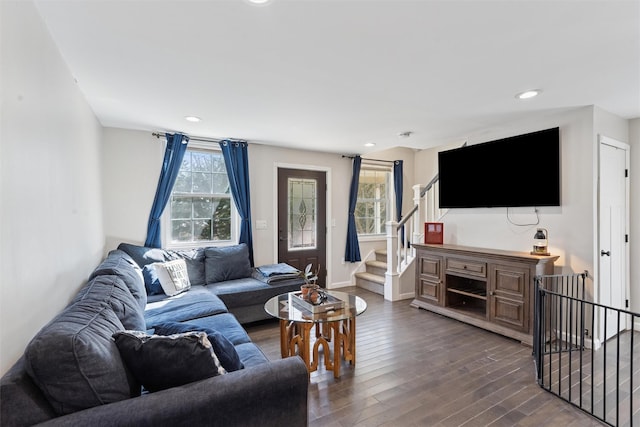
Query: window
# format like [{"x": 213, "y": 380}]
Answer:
[
  {"x": 372, "y": 210},
  {"x": 201, "y": 209}
]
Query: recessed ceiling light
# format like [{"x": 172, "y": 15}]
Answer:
[
  {"x": 370, "y": 144},
  {"x": 259, "y": 1},
  {"x": 528, "y": 94},
  {"x": 193, "y": 119}
]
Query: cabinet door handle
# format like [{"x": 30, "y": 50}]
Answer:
[{"x": 491, "y": 293}]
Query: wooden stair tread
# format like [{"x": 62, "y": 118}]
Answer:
[
  {"x": 371, "y": 277},
  {"x": 380, "y": 264}
]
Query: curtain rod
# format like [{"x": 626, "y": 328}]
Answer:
[
  {"x": 201, "y": 139},
  {"x": 370, "y": 160}
]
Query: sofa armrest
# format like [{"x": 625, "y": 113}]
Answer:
[{"x": 270, "y": 394}]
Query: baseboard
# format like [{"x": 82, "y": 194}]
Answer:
[
  {"x": 339, "y": 285},
  {"x": 408, "y": 295},
  {"x": 589, "y": 342}
]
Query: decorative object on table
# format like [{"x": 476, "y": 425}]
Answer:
[
  {"x": 307, "y": 289},
  {"x": 324, "y": 302},
  {"x": 310, "y": 288},
  {"x": 433, "y": 233},
  {"x": 540, "y": 242},
  {"x": 309, "y": 276}
]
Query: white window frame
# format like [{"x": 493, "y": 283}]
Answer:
[
  {"x": 166, "y": 215},
  {"x": 381, "y": 168}
]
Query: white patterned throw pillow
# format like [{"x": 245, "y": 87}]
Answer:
[{"x": 173, "y": 276}]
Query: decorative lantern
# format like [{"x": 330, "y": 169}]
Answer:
[{"x": 540, "y": 242}]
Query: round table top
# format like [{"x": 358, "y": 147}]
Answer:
[{"x": 283, "y": 307}]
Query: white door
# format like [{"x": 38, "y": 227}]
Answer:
[{"x": 613, "y": 193}]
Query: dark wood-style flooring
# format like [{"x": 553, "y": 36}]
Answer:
[{"x": 417, "y": 368}]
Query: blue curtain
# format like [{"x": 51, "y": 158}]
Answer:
[
  {"x": 352, "y": 251},
  {"x": 173, "y": 154},
  {"x": 397, "y": 187},
  {"x": 236, "y": 161}
]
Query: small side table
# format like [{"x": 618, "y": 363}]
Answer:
[{"x": 337, "y": 326}]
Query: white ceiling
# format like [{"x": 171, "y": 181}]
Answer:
[{"x": 331, "y": 75}]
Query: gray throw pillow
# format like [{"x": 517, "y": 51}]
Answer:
[
  {"x": 195, "y": 264},
  {"x": 161, "y": 362},
  {"x": 226, "y": 263},
  {"x": 75, "y": 362}
]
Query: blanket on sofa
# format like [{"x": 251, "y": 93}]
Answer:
[{"x": 276, "y": 272}]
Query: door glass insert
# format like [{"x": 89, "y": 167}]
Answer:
[{"x": 302, "y": 219}]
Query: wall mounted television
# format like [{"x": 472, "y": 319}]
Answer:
[{"x": 522, "y": 170}]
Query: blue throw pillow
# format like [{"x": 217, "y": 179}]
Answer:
[
  {"x": 223, "y": 348},
  {"x": 226, "y": 263},
  {"x": 151, "y": 281}
]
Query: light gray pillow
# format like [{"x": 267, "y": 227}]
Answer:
[{"x": 173, "y": 276}]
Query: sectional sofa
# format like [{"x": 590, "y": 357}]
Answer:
[{"x": 124, "y": 354}]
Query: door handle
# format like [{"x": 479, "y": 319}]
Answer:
[
  {"x": 282, "y": 239},
  {"x": 603, "y": 253}
]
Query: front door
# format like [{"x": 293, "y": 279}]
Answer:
[
  {"x": 302, "y": 225},
  {"x": 613, "y": 223}
]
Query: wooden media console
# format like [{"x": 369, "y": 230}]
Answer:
[{"x": 488, "y": 288}]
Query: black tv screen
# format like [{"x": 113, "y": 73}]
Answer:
[{"x": 523, "y": 170}]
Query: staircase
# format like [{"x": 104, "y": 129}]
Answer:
[
  {"x": 392, "y": 272},
  {"x": 373, "y": 278}
]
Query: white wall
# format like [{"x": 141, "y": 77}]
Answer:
[
  {"x": 570, "y": 226},
  {"x": 131, "y": 163},
  {"x": 263, "y": 162},
  {"x": 51, "y": 211}
]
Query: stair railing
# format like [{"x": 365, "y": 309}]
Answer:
[
  {"x": 400, "y": 252},
  {"x": 410, "y": 223}
]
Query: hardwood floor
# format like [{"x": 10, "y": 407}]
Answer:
[
  {"x": 417, "y": 368},
  {"x": 589, "y": 378}
]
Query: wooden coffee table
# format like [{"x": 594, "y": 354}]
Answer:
[{"x": 337, "y": 327}]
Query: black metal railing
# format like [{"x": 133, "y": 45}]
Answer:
[{"x": 599, "y": 376}]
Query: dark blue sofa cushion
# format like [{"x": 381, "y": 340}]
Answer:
[
  {"x": 223, "y": 348},
  {"x": 112, "y": 291},
  {"x": 250, "y": 354},
  {"x": 226, "y": 324},
  {"x": 76, "y": 363},
  {"x": 119, "y": 263},
  {"x": 161, "y": 362},
  {"x": 143, "y": 255},
  {"x": 192, "y": 304},
  {"x": 250, "y": 291},
  {"x": 226, "y": 263}
]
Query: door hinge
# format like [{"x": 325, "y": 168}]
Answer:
[
  {"x": 626, "y": 173},
  {"x": 626, "y": 238},
  {"x": 626, "y": 303}
]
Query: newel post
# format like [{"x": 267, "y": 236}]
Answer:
[
  {"x": 418, "y": 216},
  {"x": 391, "y": 276}
]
